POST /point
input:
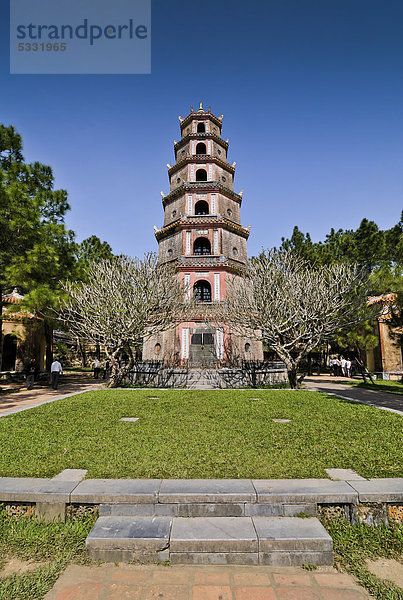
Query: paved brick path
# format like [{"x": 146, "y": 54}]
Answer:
[
  {"x": 16, "y": 397},
  {"x": 132, "y": 582},
  {"x": 324, "y": 383}
]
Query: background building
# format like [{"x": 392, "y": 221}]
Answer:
[
  {"x": 23, "y": 336},
  {"x": 387, "y": 356}
]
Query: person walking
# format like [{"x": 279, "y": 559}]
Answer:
[
  {"x": 96, "y": 366},
  {"x": 106, "y": 369},
  {"x": 31, "y": 371},
  {"x": 343, "y": 363},
  {"x": 55, "y": 370}
]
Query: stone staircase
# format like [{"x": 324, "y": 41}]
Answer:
[
  {"x": 219, "y": 522},
  {"x": 273, "y": 541},
  {"x": 202, "y": 379}
]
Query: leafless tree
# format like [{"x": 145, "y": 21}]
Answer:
[
  {"x": 124, "y": 301},
  {"x": 293, "y": 306}
]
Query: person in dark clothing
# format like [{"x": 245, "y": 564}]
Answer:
[
  {"x": 106, "y": 370},
  {"x": 31, "y": 371}
]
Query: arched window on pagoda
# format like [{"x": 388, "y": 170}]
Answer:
[
  {"x": 201, "y": 175},
  {"x": 201, "y": 128},
  {"x": 202, "y": 291},
  {"x": 201, "y": 148},
  {"x": 202, "y": 247},
  {"x": 202, "y": 208}
]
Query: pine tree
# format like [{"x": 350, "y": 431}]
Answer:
[{"x": 36, "y": 249}]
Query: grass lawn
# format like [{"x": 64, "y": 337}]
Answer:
[
  {"x": 381, "y": 385},
  {"x": 355, "y": 543},
  {"x": 201, "y": 434},
  {"x": 52, "y": 545}
]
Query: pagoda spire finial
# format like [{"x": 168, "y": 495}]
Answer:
[{"x": 201, "y": 107}]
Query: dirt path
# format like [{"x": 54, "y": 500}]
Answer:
[{"x": 15, "y": 396}]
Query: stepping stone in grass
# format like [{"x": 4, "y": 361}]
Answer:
[
  {"x": 129, "y": 419},
  {"x": 281, "y": 420},
  {"x": 344, "y": 475}
]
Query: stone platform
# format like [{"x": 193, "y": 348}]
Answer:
[{"x": 213, "y": 521}]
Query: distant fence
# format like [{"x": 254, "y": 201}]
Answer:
[{"x": 251, "y": 374}]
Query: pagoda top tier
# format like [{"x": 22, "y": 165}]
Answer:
[{"x": 200, "y": 115}]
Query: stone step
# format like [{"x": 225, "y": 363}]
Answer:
[
  {"x": 208, "y": 509},
  {"x": 275, "y": 541},
  {"x": 123, "y": 539},
  {"x": 202, "y": 379},
  {"x": 212, "y": 497}
]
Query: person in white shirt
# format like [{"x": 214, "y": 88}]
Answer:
[
  {"x": 96, "y": 366},
  {"x": 348, "y": 367},
  {"x": 55, "y": 370},
  {"x": 343, "y": 366}
]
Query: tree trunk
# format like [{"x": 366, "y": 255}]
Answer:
[
  {"x": 97, "y": 351},
  {"x": 1, "y": 326},
  {"x": 364, "y": 371},
  {"x": 114, "y": 378},
  {"x": 82, "y": 353},
  {"x": 118, "y": 373},
  {"x": 292, "y": 377},
  {"x": 49, "y": 349},
  {"x": 309, "y": 364}
]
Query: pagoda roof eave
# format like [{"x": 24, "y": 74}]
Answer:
[
  {"x": 193, "y": 221},
  {"x": 201, "y": 158},
  {"x": 213, "y": 186},
  {"x": 199, "y": 115},
  {"x": 206, "y": 135}
]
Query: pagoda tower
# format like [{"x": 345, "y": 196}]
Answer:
[{"x": 203, "y": 236}]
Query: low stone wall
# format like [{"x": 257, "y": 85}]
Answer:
[
  {"x": 158, "y": 377},
  {"x": 241, "y": 378},
  {"x": 155, "y": 375},
  {"x": 373, "y": 501}
]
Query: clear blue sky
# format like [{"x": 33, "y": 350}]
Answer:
[{"x": 311, "y": 92}]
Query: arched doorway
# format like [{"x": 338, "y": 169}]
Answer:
[
  {"x": 202, "y": 246},
  {"x": 201, "y": 175},
  {"x": 202, "y": 291},
  {"x": 201, "y": 148},
  {"x": 202, "y": 208},
  {"x": 201, "y": 128},
  {"x": 9, "y": 352}
]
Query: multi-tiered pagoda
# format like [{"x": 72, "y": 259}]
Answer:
[{"x": 203, "y": 236}]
